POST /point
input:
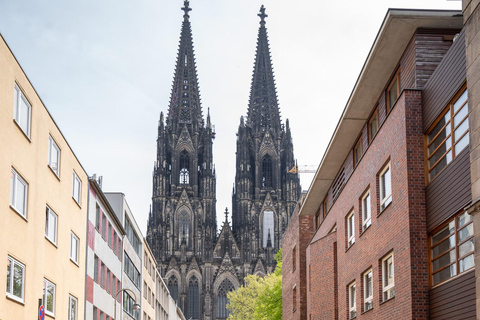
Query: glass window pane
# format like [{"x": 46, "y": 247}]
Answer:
[
  {"x": 438, "y": 141},
  {"x": 12, "y": 188},
  {"x": 463, "y": 219},
  {"x": 467, "y": 263},
  {"x": 20, "y": 197},
  {"x": 462, "y": 143},
  {"x": 444, "y": 246},
  {"x": 17, "y": 280},
  {"x": 440, "y": 165},
  {"x": 466, "y": 247},
  {"x": 444, "y": 260},
  {"x": 445, "y": 274},
  {"x": 465, "y": 232},
  {"x": 441, "y": 123},
  {"x": 268, "y": 227},
  {"x": 460, "y": 101},
  {"x": 448, "y": 229},
  {"x": 9, "y": 274},
  {"x": 461, "y": 130},
  {"x": 24, "y": 116},
  {"x": 459, "y": 117}
]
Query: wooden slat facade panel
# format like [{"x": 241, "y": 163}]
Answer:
[
  {"x": 407, "y": 66},
  {"x": 454, "y": 299},
  {"x": 450, "y": 191},
  {"x": 444, "y": 82}
]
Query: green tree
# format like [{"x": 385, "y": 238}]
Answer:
[{"x": 260, "y": 298}]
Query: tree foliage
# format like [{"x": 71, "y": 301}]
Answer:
[{"x": 260, "y": 298}]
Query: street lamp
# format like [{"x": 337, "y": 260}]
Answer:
[{"x": 136, "y": 306}]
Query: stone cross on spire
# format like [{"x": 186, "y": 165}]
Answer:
[
  {"x": 186, "y": 8},
  {"x": 262, "y": 14},
  {"x": 226, "y": 215}
]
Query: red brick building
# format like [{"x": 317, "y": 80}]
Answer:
[
  {"x": 299, "y": 232},
  {"x": 392, "y": 238}
]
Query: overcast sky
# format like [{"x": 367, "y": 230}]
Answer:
[{"x": 104, "y": 69}]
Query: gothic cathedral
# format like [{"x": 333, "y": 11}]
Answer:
[{"x": 199, "y": 265}]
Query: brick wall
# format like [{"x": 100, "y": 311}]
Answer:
[{"x": 400, "y": 228}]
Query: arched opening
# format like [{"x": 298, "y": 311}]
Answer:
[
  {"x": 184, "y": 168},
  {"x": 193, "y": 298},
  {"x": 183, "y": 227},
  {"x": 268, "y": 228},
  {"x": 173, "y": 287},
  {"x": 267, "y": 171},
  {"x": 225, "y": 287}
]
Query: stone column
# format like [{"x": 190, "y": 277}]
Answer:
[{"x": 471, "y": 16}]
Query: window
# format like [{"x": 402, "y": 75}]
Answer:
[
  {"x": 128, "y": 303},
  {"x": 173, "y": 287},
  {"x": 74, "y": 241},
  {"x": 77, "y": 188},
  {"x": 373, "y": 126},
  {"x": 15, "y": 279},
  {"x": 317, "y": 219},
  {"x": 109, "y": 281},
  {"x": 102, "y": 275},
  {"x": 95, "y": 315},
  {"x": 132, "y": 236},
  {"x": 184, "y": 168},
  {"x": 357, "y": 152},
  {"x": 131, "y": 271},
  {"x": 104, "y": 226},
  {"x": 95, "y": 269},
  {"x": 54, "y": 156},
  {"x": 385, "y": 187},
  {"x": 49, "y": 297},
  {"x": 452, "y": 249},
  {"x": 393, "y": 91},
  {"x": 22, "y": 111},
  {"x": 366, "y": 211},
  {"x": 222, "y": 300},
  {"x": 18, "y": 193},
  {"x": 267, "y": 172},
  {"x": 268, "y": 225},
  {"x": 367, "y": 291},
  {"x": 350, "y": 229},
  {"x": 388, "y": 283},
  {"x": 294, "y": 298},
  {"x": 97, "y": 217},
  {"x": 51, "y": 226},
  {"x": 442, "y": 145},
  {"x": 183, "y": 227},
  {"x": 193, "y": 299},
  {"x": 294, "y": 258},
  {"x": 72, "y": 308},
  {"x": 352, "y": 301}
]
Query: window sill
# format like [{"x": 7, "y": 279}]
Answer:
[
  {"x": 26, "y": 135},
  {"x": 385, "y": 301},
  {"x": 384, "y": 209},
  {"x": 348, "y": 247},
  {"x": 49, "y": 314},
  {"x": 75, "y": 263},
  {"x": 53, "y": 243},
  {"x": 76, "y": 202},
  {"x": 15, "y": 299},
  {"x": 17, "y": 212},
  {"x": 53, "y": 171},
  {"x": 452, "y": 278},
  {"x": 365, "y": 229},
  {"x": 368, "y": 310}
]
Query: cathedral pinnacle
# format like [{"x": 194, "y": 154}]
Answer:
[
  {"x": 186, "y": 8},
  {"x": 262, "y": 15}
]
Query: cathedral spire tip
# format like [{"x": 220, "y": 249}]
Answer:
[
  {"x": 262, "y": 15},
  {"x": 186, "y": 8}
]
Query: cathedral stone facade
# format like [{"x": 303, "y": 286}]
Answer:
[{"x": 199, "y": 265}]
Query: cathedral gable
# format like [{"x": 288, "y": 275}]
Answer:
[
  {"x": 267, "y": 145},
  {"x": 268, "y": 203},
  {"x": 259, "y": 268},
  {"x": 185, "y": 141},
  {"x": 226, "y": 238}
]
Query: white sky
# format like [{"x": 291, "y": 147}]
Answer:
[{"x": 104, "y": 70}]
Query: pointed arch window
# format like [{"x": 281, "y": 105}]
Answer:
[
  {"x": 193, "y": 298},
  {"x": 268, "y": 228},
  {"x": 225, "y": 287},
  {"x": 267, "y": 171},
  {"x": 173, "y": 287},
  {"x": 184, "y": 168},
  {"x": 183, "y": 227}
]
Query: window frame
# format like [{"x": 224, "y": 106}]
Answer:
[
  {"x": 455, "y": 248},
  {"x": 45, "y": 283},
  {"x": 357, "y": 154},
  {"x": 395, "y": 79},
  {"x": 352, "y": 297},
  {"x": 70, "y": 299},
  {"x": 18, "y": 96},
  {"x": 14, "y": 262},
  {"x": 294, "y": 298},
  {"x": 14, "y": 180},
  {"x": 367, "y": 300},
  {"x": 294, "y": 258},
  {"x": 48, "y": 214},
  {"x": 373, "y": 117},
  {"x": 52, "y": 144},
  {"x": 388, "y": 290},
  {"x": 76, "y": 195},
  {"x": 449, "y": 108},
  {"x": 366, "y": 221},
  {"x": 350, "y": 228},
  {"x": 385, "y": 199},
  {"x": 73, "y": 237}
]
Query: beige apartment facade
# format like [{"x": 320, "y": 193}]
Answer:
[
  {"x": 43, "y": 201},
  {"x": 149, "y": 284}
]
